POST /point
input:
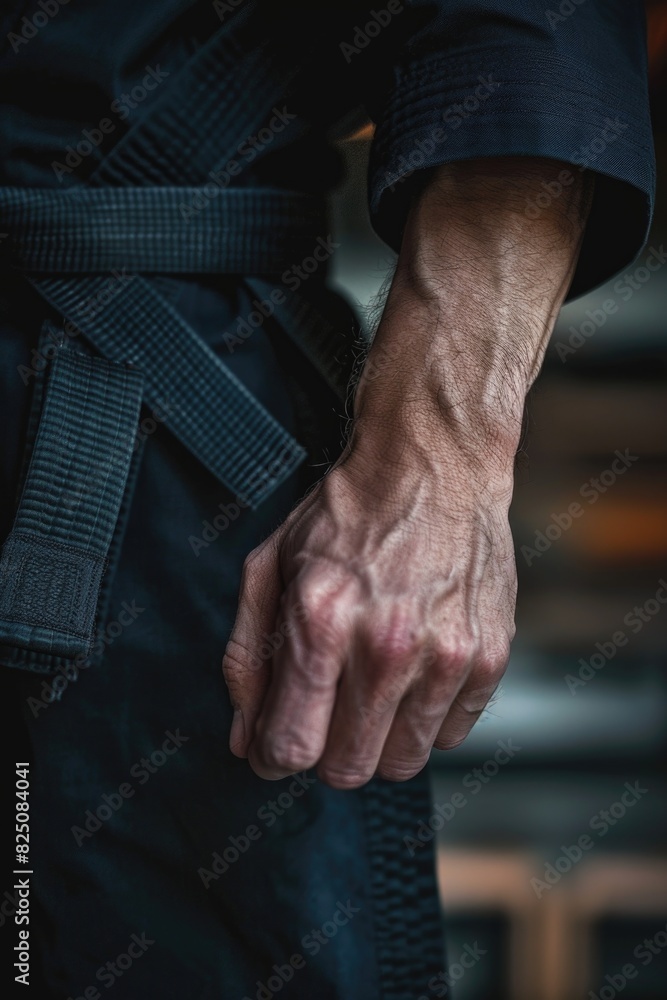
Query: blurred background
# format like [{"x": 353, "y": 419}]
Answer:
[{"x": 551, "y": 819}]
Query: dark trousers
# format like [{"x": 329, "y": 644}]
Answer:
[{"x": 163, "y": 866}]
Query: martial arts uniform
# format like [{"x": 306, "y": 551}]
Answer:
[{"x": 173, "y": 379}]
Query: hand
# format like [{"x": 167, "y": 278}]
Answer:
[
  {"x": 375, "y": 623},
  {"x": 390, "y": 594}
]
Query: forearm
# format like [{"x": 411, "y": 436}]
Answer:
[
  {"x": 475, "y": 296},
  {"x": 396, "y": 574}
]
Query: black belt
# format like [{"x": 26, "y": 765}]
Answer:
[
  {"x": 135, "y": 214},
  {"x": 159, "y": 230}
]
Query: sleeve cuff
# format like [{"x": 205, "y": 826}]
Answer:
[{"x": 440, "y": 111}]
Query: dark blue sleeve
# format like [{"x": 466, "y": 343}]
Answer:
[{"x": 564, "y": 79}]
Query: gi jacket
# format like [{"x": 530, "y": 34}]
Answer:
[
  {"x": 443, "y": 80},
  {"x": 170, "y": 352}
]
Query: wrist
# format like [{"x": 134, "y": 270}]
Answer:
[
  {"x": 437, "y": 373},
  {"x": 403, "y": 463}
]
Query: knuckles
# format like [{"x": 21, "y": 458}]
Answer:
[
  {"x": 324, "y": 606},
  {"x": 490, "y": 663},
  {"x": 452, "y": 655},
  {"x": 321, "y": 622},
  {"x": 485, "y": 661},
  {"x": 395, "y": 643},
  {"x": 289, "y": 752},
  {"x": 396, "y": 771}
]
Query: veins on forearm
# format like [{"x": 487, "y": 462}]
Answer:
[{"x": 471, "y": 307}]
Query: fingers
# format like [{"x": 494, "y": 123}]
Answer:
[
  {"x": 474, "y": 695},
  {"x": 317, "y": 621},
  {"x": 419, "y": 717},
  {"x": 457, "y": 726},
  {"x": 377, "y": 675},
  {"x": 319, "y": 678},
  {"x": 246, "y": 664},
  {"x": 455, "y": 681},
  {"x": 357, "y": 700}
]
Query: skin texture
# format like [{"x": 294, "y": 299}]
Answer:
[{"x": 393, "y": 584}]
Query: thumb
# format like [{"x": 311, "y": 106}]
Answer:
[{"x": 246, "y": 664}]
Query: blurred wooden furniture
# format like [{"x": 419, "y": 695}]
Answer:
[
  {"x": 551, "y": 938},
  {"x": 498, "y": 882},
  {"x": 609, "y": 886}
]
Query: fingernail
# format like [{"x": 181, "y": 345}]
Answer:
[{"x": 237, "y": 732}]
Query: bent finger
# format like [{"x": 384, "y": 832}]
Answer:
[
  {"x": 246, "y": 663},
  {"x": 292, "y": 730}
]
